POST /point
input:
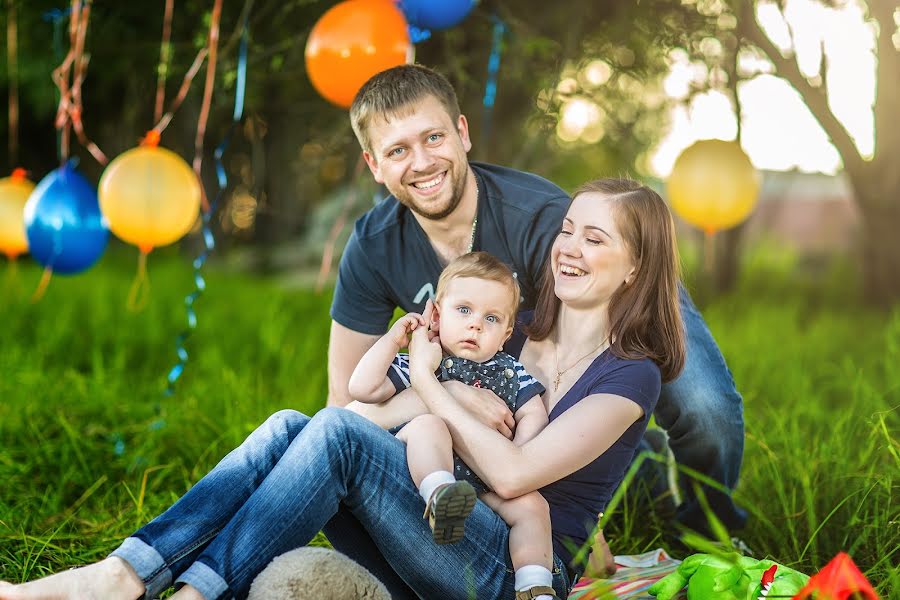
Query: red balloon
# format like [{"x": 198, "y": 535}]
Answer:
[{"x": 351, "y": 42}]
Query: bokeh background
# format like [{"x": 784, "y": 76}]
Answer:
[{"x": 802, "y": 295}]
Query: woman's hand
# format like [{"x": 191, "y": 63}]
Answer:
[
  {"x": 484, "y": 405},
  {"x": 425, "y": 350}
]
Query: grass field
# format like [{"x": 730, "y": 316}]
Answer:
[{"x": 91, "y": 448}]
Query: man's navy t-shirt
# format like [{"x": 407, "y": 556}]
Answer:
[
  {"x": 576, "y": 499},
  {"x": 389, "y": 262}
]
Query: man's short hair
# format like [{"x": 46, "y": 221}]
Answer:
[
  {"x": 391, "y": 93},
  {"x": 481, "y": 265}
]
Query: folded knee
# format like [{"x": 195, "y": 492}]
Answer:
[
  {"x": 531, "y": 504},
  {"x": 427, "y": 423}
]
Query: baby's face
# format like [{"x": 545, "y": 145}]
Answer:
[{"x": 474, "y": 318}]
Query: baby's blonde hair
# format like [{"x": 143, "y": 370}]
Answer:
[{"x": 481, "y": 265}]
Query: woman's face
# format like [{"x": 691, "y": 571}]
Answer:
[{"x": 589, "y": 257}]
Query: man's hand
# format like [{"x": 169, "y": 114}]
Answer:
[{"x": 484, "y": 405}]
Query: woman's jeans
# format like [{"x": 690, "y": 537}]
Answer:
[
  {"x": 296, "y": 475},
  {"x": 703, "y": 414}
]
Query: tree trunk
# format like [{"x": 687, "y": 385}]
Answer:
[
  {"x": 881, "y": 253},
  {"x": 878, "y": 197},
  {"x": 727, "y": 264}
]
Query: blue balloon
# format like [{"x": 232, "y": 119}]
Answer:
[
  {"x": 435, "y": 14},
  {"x": 65, "y": 229}
]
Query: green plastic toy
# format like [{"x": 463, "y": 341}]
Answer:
[{"x": 710, "y": 577}]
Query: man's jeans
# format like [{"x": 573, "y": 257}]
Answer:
[
  {"x": 703, "y": 414},
  {"x": 294, "y": 476}
]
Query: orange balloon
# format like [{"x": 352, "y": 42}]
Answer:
[
  {"x": 351, "y": 42},
  {"x": 14, "y": 192}
]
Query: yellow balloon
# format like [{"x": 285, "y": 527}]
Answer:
[
  {"x": 713, "y": 185},
  {"x": 150, "y": 197},
  {"x": 14, "y": 192}
]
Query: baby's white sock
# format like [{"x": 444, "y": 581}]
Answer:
[
  {"x": 530, "y": 576},
  {"x": 432, "y": 480}
]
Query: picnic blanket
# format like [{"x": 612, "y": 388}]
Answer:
[{"x": 635, "y": 574}]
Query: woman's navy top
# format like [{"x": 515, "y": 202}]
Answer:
[{"x": 575, "y": 500}]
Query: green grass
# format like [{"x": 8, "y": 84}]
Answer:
[{"x": 90, "y": 448}]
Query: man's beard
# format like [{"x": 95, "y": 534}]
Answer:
[{"x": 457, "y": 190}]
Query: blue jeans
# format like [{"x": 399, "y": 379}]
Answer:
[
  {"x": 295, "y": 475},
  {"x": 703, "y": 414}
]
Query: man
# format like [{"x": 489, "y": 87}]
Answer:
[{"x": 415, "y": 142}]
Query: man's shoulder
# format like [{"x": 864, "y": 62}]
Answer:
[
  {"x": 379, "y": 221},
  {"x": 519, "y": 190}
]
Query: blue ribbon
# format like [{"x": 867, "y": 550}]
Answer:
[
  {"x": 418, "y": 34},
  {"x": 209, "y": 241},
  {"x": 490, "y": 88}
]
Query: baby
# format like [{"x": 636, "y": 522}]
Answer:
[{"x": 475, "y": 307}]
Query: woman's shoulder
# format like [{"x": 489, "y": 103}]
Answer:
[{"x": 637, "y": 379}]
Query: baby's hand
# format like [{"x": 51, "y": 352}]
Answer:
[{"x": 404, "y": 326}]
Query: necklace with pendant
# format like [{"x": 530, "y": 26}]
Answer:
[
  {"x": 474, "y": 221},
  {"x": 561, "y": 372}
]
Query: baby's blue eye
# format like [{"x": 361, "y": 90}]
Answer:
[
  {"x": 463, "y": 309},
  {"x": 492, "y": 319}
]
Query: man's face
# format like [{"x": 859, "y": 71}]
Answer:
[
  {"x": 421, "y": 157},
  {"x": 473, "y": 318}
]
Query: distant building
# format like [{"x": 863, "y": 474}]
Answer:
[{"x": 811, "y": 213}]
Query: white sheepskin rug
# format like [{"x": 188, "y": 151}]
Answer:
[{"x": 319, "y": 573}]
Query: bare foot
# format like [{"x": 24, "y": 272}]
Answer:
[
  {"x": 187, "y": 592},
  {"x": 110, "y": 579},
  {"x": 601, "y": 563}
]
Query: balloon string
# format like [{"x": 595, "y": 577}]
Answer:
[
  {"x": 70, "y": 110},
  {"x": 140, "y": 287},
  {"x": 42, "y": 285},
  {"x": 207, "y": 97},
  {"x": 209, "y": 240},
  {"x": 165, "y": 49},
  {"x": 56, "y": 16},
  {"x": 11, "y": 285},
  {"x": 349, "y": 200},
  {"x": 182, "y": 91},
  {"x": 12, "y": 69}
]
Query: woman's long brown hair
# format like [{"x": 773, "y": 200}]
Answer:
[{"x": 644, "y": 318}]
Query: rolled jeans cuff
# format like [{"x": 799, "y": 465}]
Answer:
[
  {"x": 203, "y": 579},
  {"x": 147, "y": 563}
]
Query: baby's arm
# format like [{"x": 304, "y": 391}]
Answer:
[
  {"x": 530, "y": 420},
  {"x": 369, "y": 382}
]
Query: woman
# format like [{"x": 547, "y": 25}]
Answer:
[{"x": 604, "y": 335}]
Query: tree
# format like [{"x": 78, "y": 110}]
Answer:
[{"x": 875, "y": 180}]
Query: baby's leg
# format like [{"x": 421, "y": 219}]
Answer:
[
  {"x": 429, "y": 454},
  {"x": 530, "y": 542},
  {"x": 400, "y": 409},
  {"x": 429, "y": 447}
]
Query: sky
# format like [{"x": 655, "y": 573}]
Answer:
[{"x": 778, "y": 131}]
